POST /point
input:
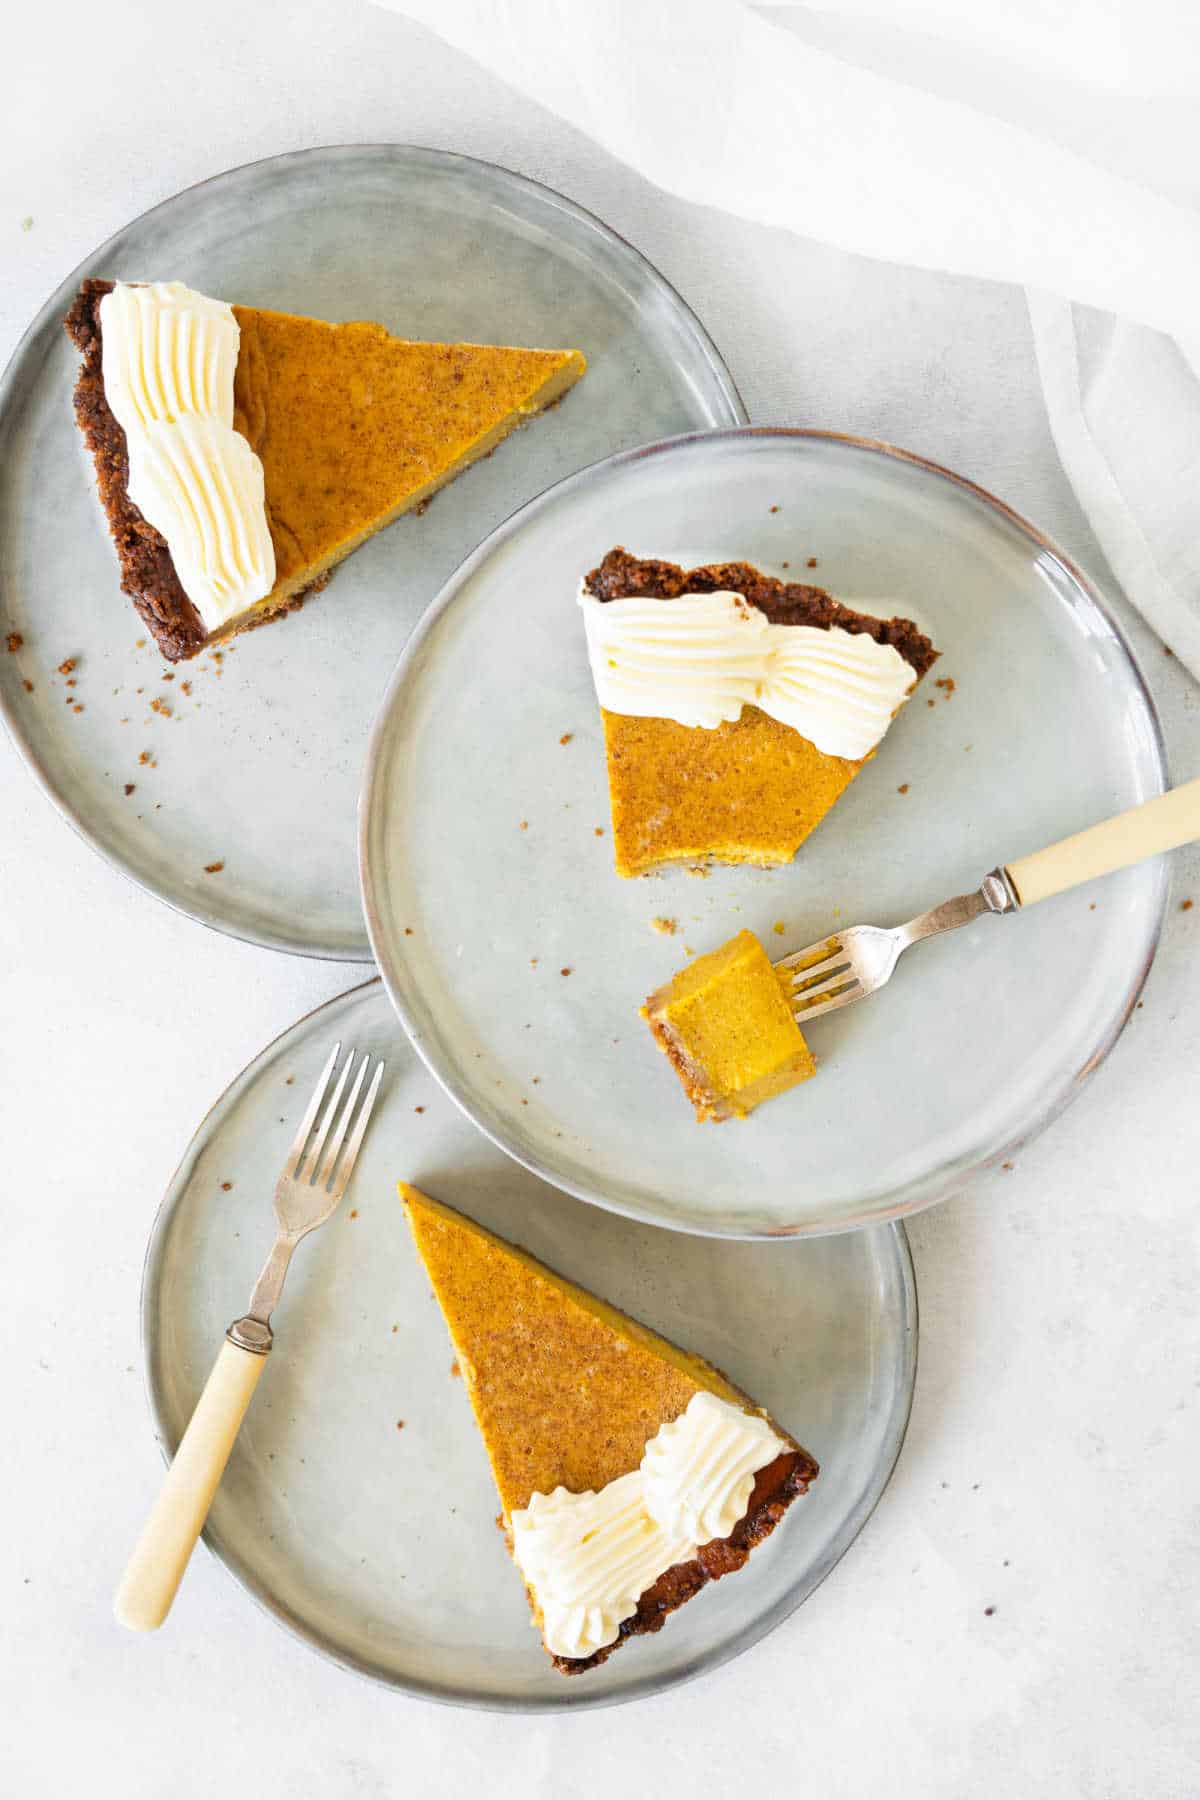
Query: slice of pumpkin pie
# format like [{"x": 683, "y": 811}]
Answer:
[
  {"x": 631, "y": 1473},
  {"x": 241, "y": 453},
  {"x": 737, "y": 708}
]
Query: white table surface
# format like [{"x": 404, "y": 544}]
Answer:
[{"x": 1050, "y": 1469}]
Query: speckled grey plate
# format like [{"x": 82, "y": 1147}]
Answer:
[
  {"x": 378, "y": 1546},
  {"x": 978, "y": 1040},
  {"x": 259, "y": 768}
]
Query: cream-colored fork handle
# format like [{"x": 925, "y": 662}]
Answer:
[
  {"x": 1161, "y": 824},
  {"x": 168, "y": 1538}
]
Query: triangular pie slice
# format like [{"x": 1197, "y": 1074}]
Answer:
[
  {"x": 752, "y": 788},
  {"x": 353, "y": 428},
  {"x": 568, "y": 1392}
]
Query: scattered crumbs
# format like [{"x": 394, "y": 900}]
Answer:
[
  {"x": 139, "y": 643},
  {"x": 564, "y": 971},
  {"x": 931, "y": 703},
  {"x": 688, "y": 951},
  {"x": 946, "y": 683},
  {"x": 418, "y": 1109},
  {"x": 903, "y": 788},
  {"x": 566, "y": 737},
  {"x": 1167, "y": 650},
  {"x": 71, "y": 681},
  {"x": 454, "y": 1368},
  {"x": 1140, "y": 1005},
  {"x": 129, "y": 788},
  {"x": 524, "y": 824},
  {"x": 533, "y": 962},
  {"x": 399, "y": 1424},
  {"x": 160, "y": 707},
  {"x": 774, "y": 509},
  {"x": 537, "y": 1080},
  {"x": 1006, "y": 1165},
  {"x": 598, "y": 829},
  {"x": 27, "y": 685},
  {"x": 968, "y": 746},
  {"x": 226, "y": 1187},
  {"x": 185, "y": 687},
  {"x": 408, "y": 931},
  {"x": 214, "y": 868},
  {"x": 168, "y": 675},
  {"x": 67, "y": 665},
  {"x": 1091, "y": 906},
  {"x": 700, "y": 869},
  {"x": 125, "y": 720},
  {"x": 354, "y": 1212},
  {"x": 988, "y": 1611},
  {"x": 811, "y": 563},
  {"x": 785, "y": 565},
  {"x": 140, "y": 690},
  {"x": 1186, "y": 905},
  {"x": 78, "y": 706},
  {"x": 779, "y": 928},
  {"x": 668, "y": 927},
  {"x": 524, "y": 1103},
  {"x": 289, "y": 1081},
  {"x": 395, "y": 1328},
  {"x": 27, "y": 222}
]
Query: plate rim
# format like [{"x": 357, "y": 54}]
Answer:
[
  {"x": 572, "y": 1700},
  {"x": 946, "y": 1183},
  {"x": 50, "y": 314}
]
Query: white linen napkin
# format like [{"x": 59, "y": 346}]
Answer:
[{"x": 727, "y": 106}]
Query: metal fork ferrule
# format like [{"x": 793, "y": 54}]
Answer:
[{"x": 251, "y": 1334}]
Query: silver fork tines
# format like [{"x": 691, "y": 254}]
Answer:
[
  {"x": 856, "y": 962},
  {"x": 311, "y": 1185},
  {"x": 309, "y": 1166}
]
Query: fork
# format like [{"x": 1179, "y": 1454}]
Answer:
[
  {"x": 851, "y": 964},
  {"x": 306, "y": 1195}
]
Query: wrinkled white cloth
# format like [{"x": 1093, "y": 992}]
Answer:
[{"x": 729, "y": 105}]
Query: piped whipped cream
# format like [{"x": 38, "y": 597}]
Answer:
[
  {"x": 588, "y": 1558},
  {"x": 699, "y": 658},
  {"x": 168, "y": 361}
]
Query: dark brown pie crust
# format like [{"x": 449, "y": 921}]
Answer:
[
  {"x": 148, "y": 574},
  {"x": 775, "y": 1487},
  {"x": 622, "y": 577}
]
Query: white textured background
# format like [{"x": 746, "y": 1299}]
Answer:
[{"x": 1051, "y": 1468}]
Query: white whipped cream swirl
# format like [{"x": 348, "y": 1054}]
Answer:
[
  {"x": 589, "y": 1557},
  {"x": 699, "y": 658},
  {"x": 168, "y": 361}
]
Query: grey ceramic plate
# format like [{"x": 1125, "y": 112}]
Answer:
[
  {"x": 259, "y": 769},
  {"x": 978, "y": 1040},
  {"x": 378, "y": 1545}
]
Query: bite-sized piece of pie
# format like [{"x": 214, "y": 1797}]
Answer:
[
  {"x": 725, "y": 1026},
  {"x": 631, "y": 1473},
  {"x": 737, "y": 708},
  {"x": 241, "y": 453}
]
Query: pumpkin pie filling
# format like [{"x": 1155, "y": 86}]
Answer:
[
  {"x": 751, "y": 787},
  {"x": 726, "y": 1028},
  {"x": 349, "y": 426},
  {"x": 573, "y": 1397}
]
